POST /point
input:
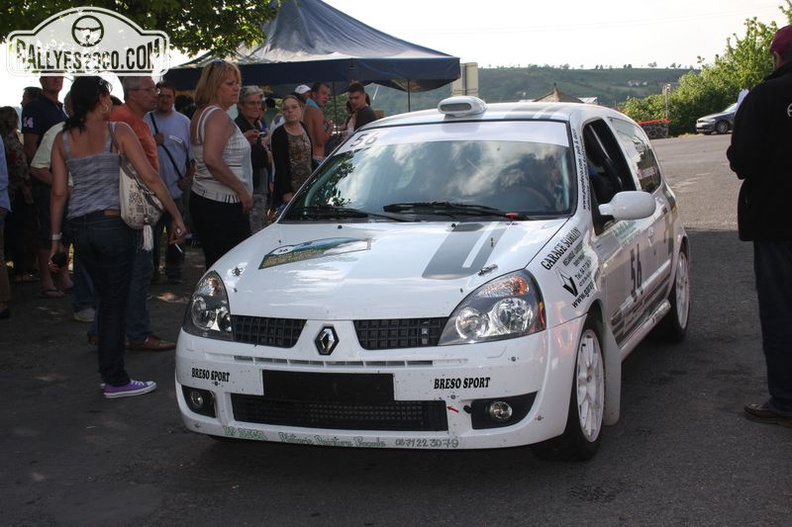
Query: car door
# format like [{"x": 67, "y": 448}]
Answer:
[
  {"x": 625, "y": 248},
  {"x": 645, "y": 168}
]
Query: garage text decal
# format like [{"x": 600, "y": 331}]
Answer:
[{"x": 560, "y": 248}]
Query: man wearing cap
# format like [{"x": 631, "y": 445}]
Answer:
[
  {"x": 759, "y": 154},
  {"x": 303, "y": 92},
  {"x": 320, "y": 129}
]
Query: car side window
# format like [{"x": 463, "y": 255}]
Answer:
[
  {"x": 608, "y": 171},
  {"x": 639, "y": 153}
]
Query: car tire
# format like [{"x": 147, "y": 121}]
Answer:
[
  {"x": 673, "y": 327},
  {"x": 581, "y": 437},
  {"x": 721, "y": 127}
]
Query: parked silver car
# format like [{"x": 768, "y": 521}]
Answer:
[{"x": 719, "y": 123}]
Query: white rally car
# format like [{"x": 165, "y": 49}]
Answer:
[{"x": 466, "y": 277}]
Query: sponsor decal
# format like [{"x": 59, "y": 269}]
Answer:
[
  {"x": 317, "y": 440},
  {"x": 582, "y": 170},
  {"x": 87, "y": 41},
  {"x": 456, "y": 383},
  {"x": 560, "y": 249},
  {"x": 314, "y": 249},
  {"x": 244, "y": 433},
  {"x": 567, "y": 282},
  {"x": 420, "y": 442},
  {"x": 579, "y": 284},
  {"x": 210, "y": 375}
]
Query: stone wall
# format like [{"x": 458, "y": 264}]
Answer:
[{"x": 655, "y": 129}]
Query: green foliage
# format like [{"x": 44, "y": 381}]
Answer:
[
  {"x": 192, "y": 25},
  {"x": 744, "y": 63},
  {"x": 646, "y": 109}
]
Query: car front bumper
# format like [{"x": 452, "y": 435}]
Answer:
[
  {"x": 705, "y": 127},
  {"x": 435, "y": 397}
]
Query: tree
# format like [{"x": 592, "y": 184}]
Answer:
[
  {"x": 218, "y": 26},
  {"x": 744, "y": 63}
]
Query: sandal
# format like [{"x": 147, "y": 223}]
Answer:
[{"x": 52, "y": 292}]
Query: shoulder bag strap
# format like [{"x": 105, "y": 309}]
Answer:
[
  {"x": 173, "y": 161},
  {"x": 113, "y": 143}
]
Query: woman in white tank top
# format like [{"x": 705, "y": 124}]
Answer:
[{"x": 222, "y": 189}]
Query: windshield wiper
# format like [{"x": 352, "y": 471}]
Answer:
[
  {"x": 330, "y": 211},
  {"x": 453, "y": 210}
]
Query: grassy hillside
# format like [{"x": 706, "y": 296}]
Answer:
[{"x": 611, "y": 86}]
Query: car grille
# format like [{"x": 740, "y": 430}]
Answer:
[
  {"x": 336, "y": 401},
  {"x": 276, "y": 332},
  {"x": 399, "y": 333}
]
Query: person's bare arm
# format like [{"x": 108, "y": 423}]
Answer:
[{"x": 30, "y": 144}]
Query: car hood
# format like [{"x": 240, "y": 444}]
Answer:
[
  {"x": 374, "y": 270},
  {"x": 715, "y": 116}
]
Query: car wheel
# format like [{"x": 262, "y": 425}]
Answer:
[
  {"x": 673, "y": 327},
  {"x": 721, "y": 127},
  {"x": 581, "y": 437}
]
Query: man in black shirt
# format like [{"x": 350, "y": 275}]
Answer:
[
  {"x": 759, "y": 154},
  {"x": 359, "y": 102}
]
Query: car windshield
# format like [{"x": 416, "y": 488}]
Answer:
[{"x": 463, "y": 171}]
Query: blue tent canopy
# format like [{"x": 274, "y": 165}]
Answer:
[{"x": 311, "y": 41}]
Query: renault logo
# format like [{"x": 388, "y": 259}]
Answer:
[{"x": 326, "y": 340}]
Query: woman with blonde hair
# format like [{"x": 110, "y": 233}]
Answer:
[
  {"x": 222, "y": 188},
  {"x": 88, "y": 150}
]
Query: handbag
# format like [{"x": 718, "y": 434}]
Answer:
[{"x": 140, "y": 208}]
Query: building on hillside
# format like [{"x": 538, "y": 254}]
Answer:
[{"x": 557, "y": 96}]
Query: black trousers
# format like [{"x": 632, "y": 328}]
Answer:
[
  {"x": 220, "y": 226},
  {"x": 773, "y": 269}
]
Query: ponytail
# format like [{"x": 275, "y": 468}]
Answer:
[{"x": 85, "y": 92}]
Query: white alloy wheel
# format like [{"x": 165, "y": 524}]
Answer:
[
  {"x": 590, "y": 385},
  {"x": 682, "y": 290},
  {"x": 673, "y": 327},
  {"x": 581, "y": 437}
]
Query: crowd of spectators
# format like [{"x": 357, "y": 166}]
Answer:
[{"x": 226, "y": 157}]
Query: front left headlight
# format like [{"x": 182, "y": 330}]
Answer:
[
  {"x": 207, "y": 313},
  {"x": 508, "y": 307}
]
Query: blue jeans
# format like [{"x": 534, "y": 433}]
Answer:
[
  {"x": 138, "y": 324},
  {"x": 773, "y": 270},
  {"x": 107, "y": 250},
  {"x": 83, "y": 287}
]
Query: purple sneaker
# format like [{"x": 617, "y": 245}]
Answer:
[{"x": 129, "y": 390}]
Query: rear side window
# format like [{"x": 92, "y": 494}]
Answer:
[{"x": 639, "y": 152}]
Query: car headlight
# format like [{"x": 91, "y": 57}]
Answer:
[
  {"x": 207, "y": 313},
  {"x": 508, "y": 307}
]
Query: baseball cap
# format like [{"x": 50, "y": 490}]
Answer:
[
  {"x": 301, "y": 89},
  {"x": 782, "y": 40}
]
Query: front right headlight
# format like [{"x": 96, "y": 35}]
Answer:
[
  {"x": 508, "y": 307},
  {"x": 207, "y": 313}
]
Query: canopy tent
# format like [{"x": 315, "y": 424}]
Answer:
[{"x": 310, "y": 41}]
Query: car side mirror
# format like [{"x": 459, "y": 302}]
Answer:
[{"x": 629, "y": 205}]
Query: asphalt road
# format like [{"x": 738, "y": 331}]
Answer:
[{"x": 682, "y": 454}]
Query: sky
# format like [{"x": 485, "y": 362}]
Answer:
[{"x": 578, "y": 33}]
